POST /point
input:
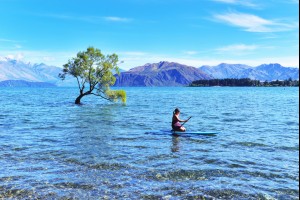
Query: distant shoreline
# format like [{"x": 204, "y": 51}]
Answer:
[
  {"x": 244, "y": 82},
  {"x": 22, "y": 83}
]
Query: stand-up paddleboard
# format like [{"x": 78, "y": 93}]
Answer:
[
  {"x": 186, "y": 132},
  {"x": 194, "y": 132}
]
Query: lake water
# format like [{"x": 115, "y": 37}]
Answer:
[{"x": 51, "y": 148}]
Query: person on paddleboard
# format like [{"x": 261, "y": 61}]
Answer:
[{"x": 176, "y": 126}]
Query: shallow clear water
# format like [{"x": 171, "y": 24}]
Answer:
[{"x": 51, "y": 148}]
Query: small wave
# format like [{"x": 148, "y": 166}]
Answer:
[
  {"x": 12, "y": 193},
  {"x": 270, "y": 175},
  {"x": 176, "y": 193},
  {"x": 198, "y": 175},
  {"x": 295, "y": 148},
  {"x": 231, "y": 194},
  {"x": 100, "y": 166},
  {"x": 292, "y": 123},
  {"x": 213, "y": 161},
  {"x": 10, "y": 178},
  {"x": 108, "y": 166},
  {"x": 73, "y": 186},
  {"x": 251, "y": 144},
  {"x": 20, "y": 148},
  {"x": 49, "y": 140},
  {"x": 234, "y": 120},
  {"x": 235, "y": 165}
]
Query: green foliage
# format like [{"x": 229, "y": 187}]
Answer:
[
  {"x": 93, "y": 71},
  {"x": 116, "y": 95}
]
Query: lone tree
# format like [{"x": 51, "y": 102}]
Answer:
[{"x": 94, "y": 72}]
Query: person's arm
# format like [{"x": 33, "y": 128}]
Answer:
[
  {"x": 180, "y": 119},
  {"x": 185, "y": 120}
]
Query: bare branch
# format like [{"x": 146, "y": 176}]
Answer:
[
  {"x": 79, "y": 86},
  {"x": 99, "y": 95}
]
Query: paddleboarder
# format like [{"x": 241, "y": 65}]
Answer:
[{"x": 176, "y": 126}]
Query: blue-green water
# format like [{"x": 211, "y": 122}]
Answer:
[{"x": 51, "y": 148}]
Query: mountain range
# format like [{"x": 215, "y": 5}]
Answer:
[
  {"x": 265, "y": 72},
  {"x": 11, "y": 69},
  {"x": 155, "y": 74},
  {"x": 160, "y": 74}
]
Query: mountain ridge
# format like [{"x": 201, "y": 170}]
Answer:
[
  {"x": 263, "y": 72},
  {"x": 160, "y": 74}
]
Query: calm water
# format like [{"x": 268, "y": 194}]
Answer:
[{"x": 53, "y": 149}]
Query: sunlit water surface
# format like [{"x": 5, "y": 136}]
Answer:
[{"x": 51, "y": 148}]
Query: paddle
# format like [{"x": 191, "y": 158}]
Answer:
[{"x": 186, "y": 121}]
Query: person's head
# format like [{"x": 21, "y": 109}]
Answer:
[{"x": 176, "y": 111}]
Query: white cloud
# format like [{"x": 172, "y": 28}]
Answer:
[
  {"x": 190, "y": 52},
  {"x": 253, "y": 23},
  {"x": 49, "y": 58},
  {"x": 295, "y": 1},
  {"x": 88, "y": 19},
  {"x": 7, "y": 40},
  {"x": 247, "y": 3},
  {"x": 133, "y": 53},
  {"x": 10, "y": 44},
  {"x": 117, "y": 19},
  {"x": 17, "y": 46},
  {"x": 237, "y": 49},
  {"x": 18, "y": 56}
]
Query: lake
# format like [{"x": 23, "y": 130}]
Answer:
[{"x": 51, "y": 148}]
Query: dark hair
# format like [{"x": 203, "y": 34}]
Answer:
[{"x": 176, "y": 111}]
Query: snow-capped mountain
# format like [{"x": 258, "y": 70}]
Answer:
[
  {"x": 18, "y": 70},
  {"x": 263, "y": 72},
  {"x": 224, "y": 70},
  {"x": 11, "y": 69}
]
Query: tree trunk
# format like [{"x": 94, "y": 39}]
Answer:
[{"x": 77, "y": 101}]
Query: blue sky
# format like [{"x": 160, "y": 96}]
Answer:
[{"x": 192, "y": 32}]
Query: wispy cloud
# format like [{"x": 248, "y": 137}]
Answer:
[
  {"x": 17, "y": 46},
  {"x": 295, "y": 1},
  {"x": 6, "y": 40},
  {"x": 117, "y": 19},
  {"x": 253, "y": 23},
  {"x": 237, "y": 49},
  {"x": 247, "y": 3},
  {"x": 10, "y": 44},
  {"x": 133, "y": 53},
  {"x": 88, "y": 19},
  {"x": 50, "y": 58},
  {"x": 190, "y": 53},
  {"x": 17, "y": 56}
]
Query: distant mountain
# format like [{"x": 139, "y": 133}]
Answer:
[
  {"x": 160, "y": 74},
  {"x": 276, "y": 72},
  {"x": 263, "y": 72},
  {"x": 224, "y": 70},
  {"x": 18, "y": 70},
  {"x": 11, "y": 69},
  {"x": 21, "y": 83}
]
